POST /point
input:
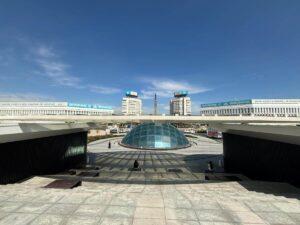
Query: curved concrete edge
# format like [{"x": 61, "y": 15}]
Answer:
[
  {"x": 285, "y": 134},
  {"x": 10, "y": 132}
]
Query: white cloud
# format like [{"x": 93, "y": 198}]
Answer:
[
  {"x": 56, "y": 70},
  {"x": 167, "y": 87},
  {"x": 53, "y": 68},
  {"x": 44, "y": 51},
  {"x": 24, "y": 97},
  {"x": 103, "y": 90}
]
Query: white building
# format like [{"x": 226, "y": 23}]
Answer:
[
  {"x": 254, "y": 107},
  {"x": 52, "y": 108},
  {"x": 181, "y": 104},
  {"x": 131, "y": 104}
]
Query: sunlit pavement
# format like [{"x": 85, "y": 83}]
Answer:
[
  {"x": 120, "y": 196},
  {"x": 115, "y": 164}
]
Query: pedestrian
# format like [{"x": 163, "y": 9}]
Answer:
[
  {"x": 136, "y": 164},
  {"x": 109, "y": 144}
]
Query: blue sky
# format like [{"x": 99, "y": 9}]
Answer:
[{"x": 94, "y": 51}]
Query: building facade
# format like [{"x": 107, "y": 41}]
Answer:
[
  {"x": 181, "y": 104},
  {"x": 131, "y": 104},
  {"x": 52, "y": 108},
  {"x": 253, "y": 107}
]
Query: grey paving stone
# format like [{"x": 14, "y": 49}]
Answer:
[
  {"x": 214, "y": 215},
  {"x": 119, "y": 211},
  {"x": 177, "y": 203},
  {"x": 4, "y": 197},
  {"x": 3, "y": 214},
  {"x": 148, "y": 221},
  {"x": 124, "y": 200},
  {"x": 246, "y": 217},
  {"x": 225, "y": 223},
  {"x": 150, "y": 201},
  {"x": 205, "y": 203},
  {"x": 276, "y": 218},
  {"x": 102, "y": 199},
  {"x": 64, "y": 209},
  {"x": 182, "y": 222},
  {"x": 18, "y": 219},
  {"x": 89, "y": 210},
  {"x": 75, "y": 198},
  {"x": 115, "y": 221},
  {"x": 261, "y": 206},
  {"x": 49, "y": 197},
  {"x": 45, "y": 219},
  {"x": 135, "y": 189},
  {"x": 33, "y": 207},
  {"x": 295, "y": 217},
  {"x": 149, "y": 213},
  {"x": 10, "y": 206},
  {"x": 75, "y": 220},
  {"x": 23, "y": 197},
  {"x": 180, "y": 214},
  {"x": 233, "y": 206},
  {"x": 288, "y": 207}
]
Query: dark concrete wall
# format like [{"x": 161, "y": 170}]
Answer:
[
  {"x": 22, "y": 159},
  {"x": 262, "y": 159}
]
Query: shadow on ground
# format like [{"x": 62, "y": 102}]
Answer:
[
  {"x": 154, "y": 161},
  {"x": 167, "y": 169},
  {"x": 155, "y": 167}
]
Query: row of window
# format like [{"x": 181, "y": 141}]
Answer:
[
  {"x": 180, "y": 109},
  {"x": 21, "y": 112},
  {"x": 253, "y": 111}
]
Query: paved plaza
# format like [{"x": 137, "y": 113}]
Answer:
[
  {"x": 114, "y": 165},
  {"x": 151, "y": 196}
]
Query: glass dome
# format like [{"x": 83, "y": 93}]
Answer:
[{"x": 155, "y": 136}]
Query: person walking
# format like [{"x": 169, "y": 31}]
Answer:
[{"x": 109, "y": 144}]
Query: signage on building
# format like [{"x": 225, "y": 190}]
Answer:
[
  {"x": 241, "y": 102},
  {"x": 131, "y": 94},
  {"x": 276, "y": 101},
  {"x": 180, "y": 93},
  {"x": 88, "y": 106},
  {"x": 33, "y": 104}
]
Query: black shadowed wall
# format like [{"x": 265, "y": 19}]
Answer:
[
  {"x": 22, "y": 159},
  {"x": 261, "y": 159}
]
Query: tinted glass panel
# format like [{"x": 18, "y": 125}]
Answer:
[{"x": 155, "y": 136}]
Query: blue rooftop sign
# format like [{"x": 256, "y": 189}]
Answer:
[
  {"x": 241, "y": 102},
  {"x": 131, "y": 93},
  {"x": 181, "y": 93},
  {"x": 88, "y": 106}
]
